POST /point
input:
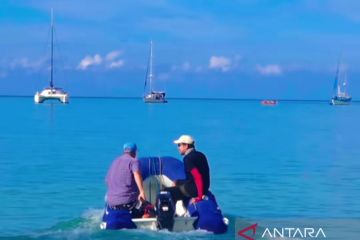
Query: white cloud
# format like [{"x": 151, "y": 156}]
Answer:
[
  {"x": 89, "y": 61},
  {"x": 113, "y": 59},
  {"x": 219, "y": 62},
  {"x": 111, "y": 56},
  {"x": 27, "y": 63},
  {"x": 22, "y": 63},
  {"x": 270, "y": 69},
  {"x": 116, "y": 64}
]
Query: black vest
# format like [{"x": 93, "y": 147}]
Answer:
[{"x": 198, "y": 160}]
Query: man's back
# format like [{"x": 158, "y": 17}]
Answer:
[
  {"x": 198, "y": 160},
  {"x": 122, "y": 188}
]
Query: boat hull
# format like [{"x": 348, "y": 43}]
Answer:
[
  {"x": 181, "y": 224},
  {"x": 41, "y": 97},
  {"x": 340, "y": 101},
  {"x": 269, "y": 102},
  {"x": 155, "y": 101},
  {"x": 155, "y": 97}
]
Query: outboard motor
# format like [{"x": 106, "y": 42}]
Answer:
[{"x": 165, "y": 211}]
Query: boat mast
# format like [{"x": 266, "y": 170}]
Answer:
[
  {"x": 344, "y": 84},
  {"x": 150, "y": 66},
  {"x": 336, "y": 82},
  {"x": 52, "y": 51}
]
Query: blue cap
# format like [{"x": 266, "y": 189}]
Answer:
[{"x": 130, "y": 147}]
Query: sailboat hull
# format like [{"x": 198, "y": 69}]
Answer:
[
  {"x": 340, "y": 101},
  {"x": 51, "y": 94},
  {"x": 146, "y": 100},
  {"x": 155, "y": 97}
]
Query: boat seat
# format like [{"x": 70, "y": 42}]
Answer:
[{"x": 154, "y": 184}]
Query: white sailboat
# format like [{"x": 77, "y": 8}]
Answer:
[
  {"x": 152, "y": 96},
  {"x": 341, "y": 95},
  {"x": 51, "y": 92}
]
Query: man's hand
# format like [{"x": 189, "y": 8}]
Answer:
[
  {"x": 139, "y": 183},
  {"x": 197, "y": 199},
  {"x": 141, "y": 196}
]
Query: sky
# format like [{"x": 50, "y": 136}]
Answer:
[{"x": 247, "y": 49}]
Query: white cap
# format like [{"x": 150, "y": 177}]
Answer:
[{"x": 187, "y": 139}]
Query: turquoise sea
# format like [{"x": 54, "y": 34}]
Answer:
[{"x": 299, "y": 159}]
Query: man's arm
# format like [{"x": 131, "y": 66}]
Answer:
[
  {"x": 199, "y": 183},
  {"x": 139, "y": 183},
  {"x": 180, "y": 181}
]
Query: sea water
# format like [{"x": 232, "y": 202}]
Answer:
[{"x": 294, "y": 160}]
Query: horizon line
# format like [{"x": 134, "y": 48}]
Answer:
[{"x": 188, "y": 98}]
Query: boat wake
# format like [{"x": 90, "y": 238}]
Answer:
[
  {"x": 87, "y": 227},
  {"x": 79, "y": 228}
]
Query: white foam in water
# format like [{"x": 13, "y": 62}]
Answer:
[
  {"x": 93, "y": 215},
  {"x": 77, "y": 228},
  {"x": 88, "y": 227}
]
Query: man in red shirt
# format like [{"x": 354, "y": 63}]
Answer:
[{"x": 197, "y": 182}]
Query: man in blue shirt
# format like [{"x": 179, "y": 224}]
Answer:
[{"x": 124, "y": 180}]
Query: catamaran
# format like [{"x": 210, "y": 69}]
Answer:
[
  {"x": 52, "y": 92},
  {"x": 152, "y": 96},
  {"x": 341, "y": 95}
]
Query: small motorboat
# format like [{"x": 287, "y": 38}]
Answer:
[
  {"x": 269, "y": 102},
  {"x": 159, "y": 172}
]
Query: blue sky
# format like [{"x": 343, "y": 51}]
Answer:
[{"x": 226, "y": 49}]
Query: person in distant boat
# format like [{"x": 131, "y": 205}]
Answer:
[
  {"x": 124, "y": 182},
  {"x": 197, "y": 182}
]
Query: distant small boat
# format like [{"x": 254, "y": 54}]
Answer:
[
  {"x": 52, "y": 92},
  {"x": 341, "y": 95},
  {"x": 152, "y": 96},
  {"x": 269, "y": 102}
]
